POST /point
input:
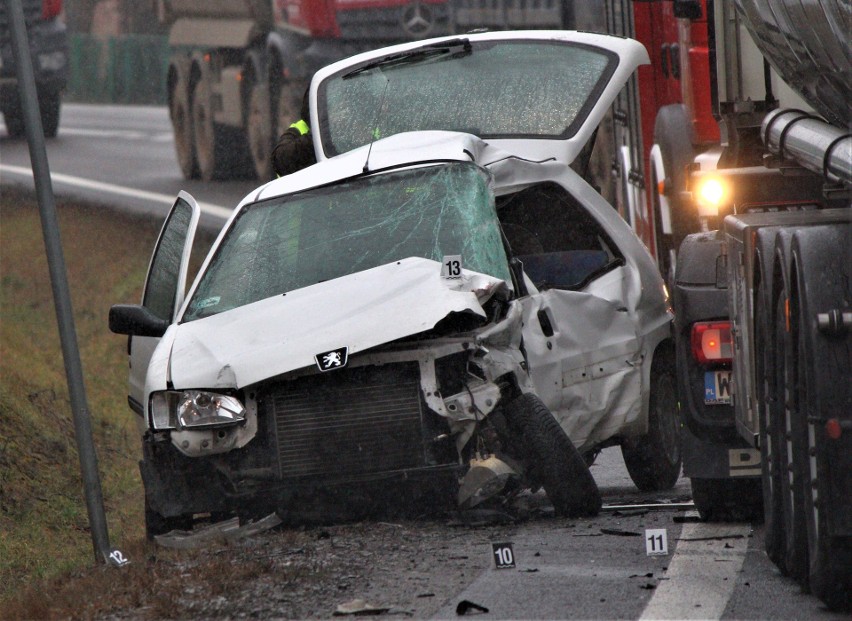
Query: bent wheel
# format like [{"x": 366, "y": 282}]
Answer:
[
  {"x": 654, "y": 460},
  {"x": 552, "y": 458}
]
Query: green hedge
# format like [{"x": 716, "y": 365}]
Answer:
[{"x": 130, "y": 69}]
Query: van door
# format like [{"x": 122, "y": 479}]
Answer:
[{"x": 165, "y": 287}]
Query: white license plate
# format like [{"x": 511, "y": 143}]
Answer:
[{"x": 717, "y": 387}]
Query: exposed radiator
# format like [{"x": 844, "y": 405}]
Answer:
[{"x": 348, "y": 422}]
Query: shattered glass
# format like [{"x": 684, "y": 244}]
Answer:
[
  {"x": 296, "y": 241},
  {"x": 510, "y": 89}
]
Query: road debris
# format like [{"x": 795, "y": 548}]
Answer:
[
  {"x": 359, "y": 607},
  {"x": 466, "y": 607},
  {"x": 620, "y": 533},
  {"x": 227, "y": 530}
]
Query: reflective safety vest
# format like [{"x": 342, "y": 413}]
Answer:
[{"x": 301, "y": 126}]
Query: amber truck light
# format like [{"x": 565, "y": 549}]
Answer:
[
  {"x": 711, "y": 193},
  {"x": 711, "y": 342}
]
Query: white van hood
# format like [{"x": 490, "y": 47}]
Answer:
[{"x": 246, "y": 345}]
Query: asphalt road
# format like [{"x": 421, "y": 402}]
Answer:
[
  {"x": 600, "y": 568},
  {"x": 123, "y": 157}
]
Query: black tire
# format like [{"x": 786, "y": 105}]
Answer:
[
  {"x": 654, "y": 460},
  {"x": 157, "y": 524},
  {"x": 14, "y": 119},
  {"x": 222, "y": 151},
  {"x": 823, "y": 387},
  {"x": 771, "y": 473},
  {"x": 50, "y": 105},
  {"x": 180, "y": 111},
  {"x": 830, "y": 559},
  {"x": 795, "y": 561},
  {"x": 206, "y": 138},
  {"x": 259, "y": 130},
  {"x": 728, "y": 500},
  {"x": 552, "y": 459}
]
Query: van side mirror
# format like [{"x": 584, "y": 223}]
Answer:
[{"x": 135, "y": 320}]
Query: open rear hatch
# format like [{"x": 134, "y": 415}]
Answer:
[{"x": 536, "y": 94}]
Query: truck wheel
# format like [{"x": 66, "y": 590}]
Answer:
[
  {"x": 823, "y": 388},
  {"x": 830, "y": 572},
  {"x": 795, "y": 537},
  {"x": 728, "y": 500},
  {"x": 14, "y": 119},
  {"x": 211, "y": 141},
  {"x": 259, "y": 129},
  {"x": 771, "y": 474},
  {"x": 654, "y": 460},
  {"x": 180, "y": 112},
  {"x": 156, "y": 524},
  {"x": 552, "y": 458}
]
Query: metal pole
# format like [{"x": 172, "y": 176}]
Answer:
[{"x": 59, "y": 283}]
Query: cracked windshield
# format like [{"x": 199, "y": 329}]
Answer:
[
  {"x": 280, "y": 245},
  {"x": 511, "y": 88}
]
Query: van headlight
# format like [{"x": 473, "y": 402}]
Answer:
[{"x": 194, "y": 409}]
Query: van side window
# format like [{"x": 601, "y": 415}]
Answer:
[{"x": 559, "y": 243}]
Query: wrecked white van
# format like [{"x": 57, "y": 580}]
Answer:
[{"x": 457, "y": 310}]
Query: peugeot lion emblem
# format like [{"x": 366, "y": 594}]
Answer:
[
  {"x": 417, "y": 20},
  {"x": 334, "y": 359}
]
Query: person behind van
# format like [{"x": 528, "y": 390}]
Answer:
[{"x": 295, "y": 148}]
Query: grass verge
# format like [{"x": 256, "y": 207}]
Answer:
[{"x": 44, "y": 529}]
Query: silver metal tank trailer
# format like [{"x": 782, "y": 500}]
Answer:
[{"x": 807, "y": 43}]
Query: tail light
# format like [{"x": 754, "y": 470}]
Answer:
[
  {"x": 711, "y": 342},
  {"x": 833, "y": 428},
  {"x": 50, "y": 8}
]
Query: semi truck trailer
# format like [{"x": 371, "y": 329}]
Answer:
[{"x": 762, "y": 294}]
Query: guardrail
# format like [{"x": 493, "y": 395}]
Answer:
[{"x": 129, "y": 69}]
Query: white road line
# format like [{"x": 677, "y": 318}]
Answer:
[
  {"x": 124, "y": 134},
  {"x": 702, "y": 574},
  {"x": 79, "y": 182}
]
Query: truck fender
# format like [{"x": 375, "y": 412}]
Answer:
[{"x": 672, "y": 152}]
